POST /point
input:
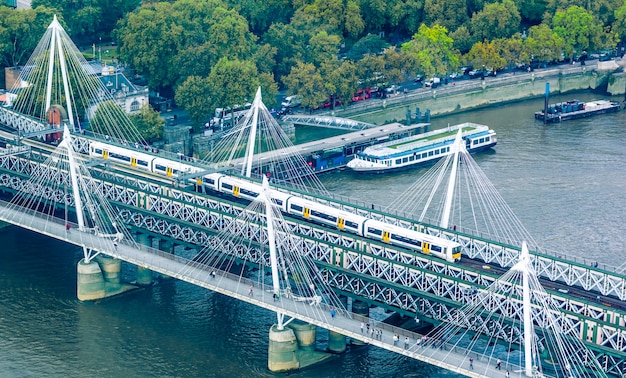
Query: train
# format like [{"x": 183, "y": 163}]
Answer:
[{"x": 291, "y": 204}]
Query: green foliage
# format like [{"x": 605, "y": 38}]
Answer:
[
  {"x": 462, "y": 38},
  {"x": 370, "y": 44},
  {"x": 619, "y": 27},
  {"x": 531, "y": 10},
  {"x": 195, "y": 96},
  {"x": 512, "y": 50},
  {"x": 306, "y": 81},
  {"x": 485, "y": 55},
  {"x": 20, "y": 31},
  {"x": 107, "y": 114},
  {"x": 497, "y": 20},
  {"x": 406, "y": 15},
  {"x": 432, "y": 50},
  {"x": 148, "y": 122},
  {"x": 448, "y": 13},
  {"x": 543, "y": 44},
  {"x": 91, "y": 20},
  {"x": 341, "y": 79},
  {"x": 322, "y": 47},
  {"x": 580, "y": 30}
]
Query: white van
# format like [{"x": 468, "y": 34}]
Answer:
[{"x": 291, "y": 102}]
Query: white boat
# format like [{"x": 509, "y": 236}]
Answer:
[{"x": 421, "y": 148}]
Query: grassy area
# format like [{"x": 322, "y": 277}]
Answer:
[
  {"x": 105, "y": 51},
  {"x": 432, "y": 137}
]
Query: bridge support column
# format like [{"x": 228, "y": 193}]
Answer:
[
  {"x": 363, "y": 309},
  {"x": 166, "y": 246},
  {"x": 336, "y": 342},
  {"x": 144, "y": 275},
  {"x": 305, "y": 334},
  {"x": 111, "y": 268},
  {"x": 282, "y": 350},
  {"x": 90, "y": 281}
]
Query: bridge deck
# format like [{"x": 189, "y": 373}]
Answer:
[{"x": 453, "y": 359}]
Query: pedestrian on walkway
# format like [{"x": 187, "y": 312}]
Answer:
[
  {"x": 507, "y": 374},
  {"x": 406, "y": 342},
  {"x": 68, "y": 227},
  {"x": 362, "y": 327},
  {"x": 213, "y": 275},
  {"x": 332, "y": 312},
  {"x": 395, "y": 339},
  {"x": 498, "y": 364},
  {"x": 251, "y": 291},
  {"x": 115, "y": 244},
  {"x": 471, "y": 363}
]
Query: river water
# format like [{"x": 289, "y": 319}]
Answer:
[{"x": 565, "y": 182}]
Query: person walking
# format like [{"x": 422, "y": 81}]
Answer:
[
  {"x": 406, "y": 342},
  {"x": 507, "y": 375},
  {"x": 115, "y": 244},
  {"x": 251, "y": 291},
  {"x": 332, "y": 313},
  {"x": 362, "y": 327},
  {"x": 68, "y": 227},
  {"x": 498, "y": 364},
  {"x": 471, "y": 360}
]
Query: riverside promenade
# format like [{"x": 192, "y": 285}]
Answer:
[{"x": 465, "y": 95}]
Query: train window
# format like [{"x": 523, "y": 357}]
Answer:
[
  {"x": 209, "y": 181},
  {"x": 248, "y": 193},
  {"x": 143, "y": 163},
  {"x": 351, "y": 224},
  {"x": 374, "y": 231},
  {"x": 277, "y": 201},
  {"x": 404, "y": 239},
  {"x": 159, "y": 167},
  {"x": 296, "y": 207},
  {"x": 227, "y": 186},
  {"x": 119, "y": 157},
  {"x": 435, "y": 248},
  {"x": 323, "y": 216},
  {"x": 98, "y": 151}
]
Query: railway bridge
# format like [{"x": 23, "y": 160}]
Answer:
[{"x": 589, "y": 302}]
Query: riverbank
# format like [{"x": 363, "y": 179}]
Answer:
[{"x": 605, "y": 77}]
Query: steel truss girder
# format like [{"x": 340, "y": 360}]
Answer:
[
  {"x": 413, "y": 301},
  {"x": 192, "y": 208}
]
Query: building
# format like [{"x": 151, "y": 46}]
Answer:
[{"x": 128, "y": 96}]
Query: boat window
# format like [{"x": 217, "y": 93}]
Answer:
[
  {"x": 487, "y": 139},
  {"x": 436, "y": 152},
  {"x": 474, "y": 141},
  {"x": 398, "y": 161},
  {"x": 424, "y": 155},
  {"x": 411, "y": 158},
  {"x": 482, "y": 140},
  {"x": 430, "y": 153},
  {"x": 404, "y": 160}
]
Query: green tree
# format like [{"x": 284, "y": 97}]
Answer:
[
  {"x": 496, "y": 20},
  {"x": 543, "y": 44},
  {"x": 512, "y": 50},
  {"x": 341, "y": 79},
  {"x": 619, "y": 27},
  {"x": 370, "y": 44},
  {"x": 90, "y": 21},
  {"x": 462, "y": 38},
  {"x": 148, "y": 122},
  {"x": 531, "y": 11},
  {"x": 196, "y": 97},
  {"x": 580, "y": 30},
  {"x": 485, "y": 55},
  {"x": 448, "y": 13},
  {"x": 306, "y": 81},
  {"x": 322, "y": 47},
  {"x": 20, "y": 31},
  {"x": 407, "y": 15},
  {"x": 433, "y": 50},
  {"x": 233, "y": 82}
]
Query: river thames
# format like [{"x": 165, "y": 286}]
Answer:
[{"x": 565, "y": 182}]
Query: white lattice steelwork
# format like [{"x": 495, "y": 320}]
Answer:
[{"x": 328, "y": 122}]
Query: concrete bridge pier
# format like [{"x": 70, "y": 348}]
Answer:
[
  {"x": 90, "y": 281},
  {"x": 166, "y": 245},
  {"x": 282, "y": 349},
  {"x": 111, "y": 268},
  {"x": 363, "y": 309},
  {"x": 144, "y": 275},
  {"x": 294, "y": 347},
  {"x": 336, "y": 342}
]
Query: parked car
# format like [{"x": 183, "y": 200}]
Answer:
[{"x": 433, "y": 82}]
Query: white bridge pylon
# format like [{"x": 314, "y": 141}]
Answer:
[
  {"x": 62, "y": 184},
  {"x": 517, "y": 328}
]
